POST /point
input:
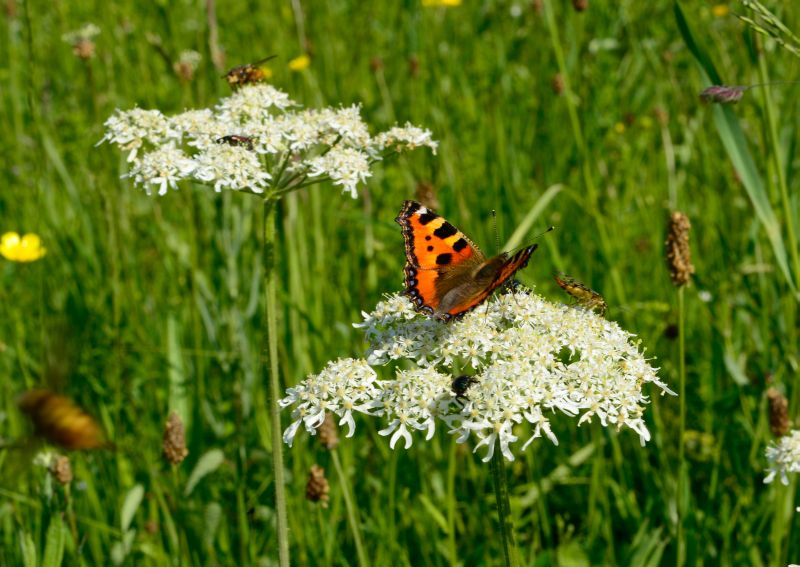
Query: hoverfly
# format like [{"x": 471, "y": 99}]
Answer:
[
  {"x": 247, "y": 74},
  {"x": 585, "y": 296}
]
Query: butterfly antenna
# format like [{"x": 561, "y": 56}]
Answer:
[{"x": 496, "y": 233}]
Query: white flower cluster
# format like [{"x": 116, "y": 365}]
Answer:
[
  {"x": 784, "y": 457},
  {"x": 255, "y": 139},
  {"x": 527, "y": 357}
]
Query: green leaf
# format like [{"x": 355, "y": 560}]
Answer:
[
  {"x": 54, "y": 543},
  {"x": 735, "y": 143},
  {"x": 213, "y": 514},
  {"x": 208, "y": 463},
  {"x": 434, "y": 512},
  {"x": 537, "y": 209},
  {"x": 176, "y": 372},
  {"x": 132, "y": 501},
  {"x": 28, "y": 550}
]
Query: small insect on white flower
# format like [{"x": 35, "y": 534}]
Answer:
[
  {"x": 255, "y": 140},
  {"x": 784, "y": 457},
  {"x": 531, "y": 358}
]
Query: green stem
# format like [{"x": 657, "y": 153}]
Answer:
[
  {"x": 510, "y": 552},
  {"x": 681, "y": 558},
  {"x": 352, "y": 514},
  {"x": 270, "y": 313},
  {"x": 776, "y": 157}
]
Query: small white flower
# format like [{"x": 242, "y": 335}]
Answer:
[
  {"x": 255, "y": 102},
  {"x": 408, "y": 137},
  {"x": 345, "y": 166},
  {"x": 163, "y": 168},
  {"x": 784, "y": 457},
  {"x": 530, "y": 359},
  {"x": 130, "y": 129},
  {"x": 87, "y": 32},
  {"x": 231, "y": 167},
  {"x": 344, "y": 386}
]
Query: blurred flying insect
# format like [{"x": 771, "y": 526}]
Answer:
[
  {"x": 237, "y": 141},
  {"x": 60, "y": 421},
  {"x": 248, "y": 73},
  {"x": 585, "y": 296},
  {"x": 461, "y": 384}
]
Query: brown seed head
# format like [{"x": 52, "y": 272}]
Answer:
[
  {"x": 60, "y": 421},
  {"x": 83, "y": 49},
  {"x": 722, "y": 94},
  {"x": 580, "y": 5},
  {"x": 557, "y": 84},
  {"x": 778, "y": 412},
  {"x": 413, "y": 66},
  {"x": 376, "y": 64},
  {"x": 537, "y": 6},
  {"x": 679, "y": 257},
  {"x": 61, "y": 470},
  {"x": 328, "y": 433},
  {"x": 174, "y": 444},
  {"x": 317, "y": 486}
]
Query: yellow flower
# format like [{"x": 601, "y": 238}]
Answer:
[
  {"x": 446, "y": 3},
  {"x": 720, "y": 10},
  {"x": 21, "y": 249},
  {"x": 619, "y": 128},
  {"x": 300, "y": 63}
]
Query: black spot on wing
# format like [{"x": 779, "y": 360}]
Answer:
[
  {"x": 445, "y": 231},
  {"x": 430, "y": 248},
  {"x": 460, "y": 244},
  {"x": 427, "y": 217},
  {"x": 444, "y": 259}
]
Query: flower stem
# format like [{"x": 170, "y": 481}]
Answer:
[
  {"x": 352, "y": 514},
  {"x": 681, "y": 557},
  {"x": 270, "y": 313},
  {"x": 504, "y": 508}
]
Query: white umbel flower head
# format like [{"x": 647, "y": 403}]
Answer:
[
  {"x": 258, "y": 140},
  {"x": 162, "y": 168},
  {"x": 784, "y": 457},
  {"x": 528, "y": 359}
]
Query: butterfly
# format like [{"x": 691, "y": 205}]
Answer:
[
  {"x": 446, "y": 275},
  {"x": 585, "y": 296}
]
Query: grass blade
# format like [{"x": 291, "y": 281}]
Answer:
[{"x": 735, "y": 143}]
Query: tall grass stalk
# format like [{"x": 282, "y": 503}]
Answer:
[
  {"x": 681, "y": 507},
  {"x": 352, "y": 514},
  {"x": 270, "y": 313},
  {"x": 510, "y": 552},
  {"x": 780, "y": 172}
]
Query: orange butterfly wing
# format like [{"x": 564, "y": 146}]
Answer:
[
  {"x": 432, "y": 244},
  {"x": 444, "y": 267}
]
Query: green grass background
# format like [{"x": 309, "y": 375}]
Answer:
[{"x": 147, "y": 304}]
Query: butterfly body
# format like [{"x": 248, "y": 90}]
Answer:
[{"x": 446, "y": 275}]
